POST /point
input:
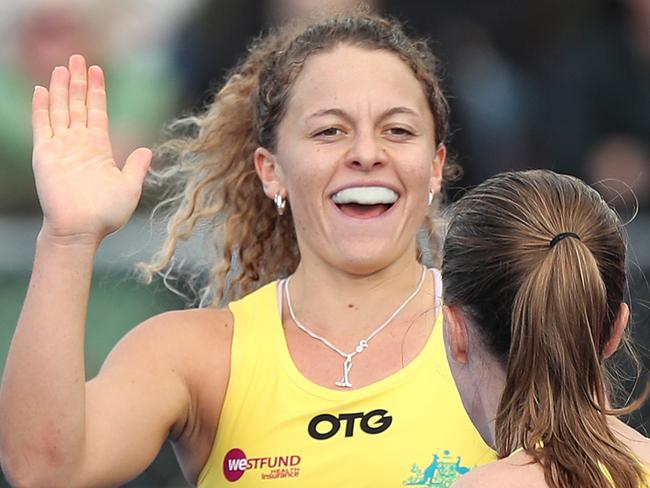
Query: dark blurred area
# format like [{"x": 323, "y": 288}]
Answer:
[{"x": 554, "y": 84}]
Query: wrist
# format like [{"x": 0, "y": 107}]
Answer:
[{"x": 89, "y": 242}]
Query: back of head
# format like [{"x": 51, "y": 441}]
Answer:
[
  {"x": 536, "y": 261},
  {"x": 215, "y": 179}
]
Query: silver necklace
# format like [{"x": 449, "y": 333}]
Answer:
[{"x": 363, "y": 344}]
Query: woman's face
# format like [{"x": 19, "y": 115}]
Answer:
[{"x": 356, "y": 156}]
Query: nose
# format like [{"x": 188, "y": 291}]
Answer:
[{"x": 366, "y": 151}]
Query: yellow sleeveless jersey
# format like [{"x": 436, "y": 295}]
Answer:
[{"x": 279, "y": 429}]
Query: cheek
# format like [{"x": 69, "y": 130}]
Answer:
[
  {"x": 418, "y": 164},
  {"x": 305, "y": 192},
  {"x": 307, "y": 175},
  {"x": 305, "y": 184},
  {"x": 417, "y": 178}
]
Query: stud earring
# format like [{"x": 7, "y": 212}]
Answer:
[{"x": 280, "y": 203}]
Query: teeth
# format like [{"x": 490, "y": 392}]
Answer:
[{"x": 365, "y": 195}]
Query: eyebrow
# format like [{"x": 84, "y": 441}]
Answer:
[
  {"x": 399, "y": 110},
  {"x": 337, "y": 112},
  {"x": 344, "y": 115}
]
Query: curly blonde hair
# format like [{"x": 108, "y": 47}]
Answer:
[{"x": 214, "y": 184}]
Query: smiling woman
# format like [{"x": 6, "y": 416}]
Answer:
[
  {"x": 351, "y": 136},
  {"x": 316, "y": 165},
  {"x": 373, "y": 90}
]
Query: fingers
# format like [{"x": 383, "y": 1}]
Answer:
[
  {"x": 40, "y": 115},
  {"x": 77, "y": 91},
  {"x": 77, "y": 97},
  {"x": 137, "y": 165},
  {"x": 96, "y": 99},
  {"x": 58, "y": 99}
]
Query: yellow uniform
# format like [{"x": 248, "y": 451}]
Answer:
[{"x": 279, "y": 429}]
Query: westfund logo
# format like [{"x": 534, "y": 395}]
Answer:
[
  {"x": 326, "y": 426},
  {"x": 235, "y": 464}
]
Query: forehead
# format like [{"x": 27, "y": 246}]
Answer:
[{"x": 355, "y": 78}]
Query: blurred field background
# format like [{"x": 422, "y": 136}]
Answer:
[{"x": 553, "y": 84}]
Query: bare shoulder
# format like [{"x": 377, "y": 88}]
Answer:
[
  {"x": 637, "y": 442},
  {"x": 514, "y": 471},
  {"x": 191, "y": 325},
  {"x": 193, "y": 321},
  {"x": 185, "y": 353},
  {"x": 181, "y": 336},
  {"x": 177, "y": 347},
  {"x": 487, "y": 476},
  {"x": 179, "y": 362}
]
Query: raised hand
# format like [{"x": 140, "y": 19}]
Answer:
[{"x": 84, "y": 193}]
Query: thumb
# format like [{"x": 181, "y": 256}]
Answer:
[{"x": 137, "y": 165}]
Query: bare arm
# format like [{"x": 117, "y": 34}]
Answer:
[{"x": 55, "y": 431}]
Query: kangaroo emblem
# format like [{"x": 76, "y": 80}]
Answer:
[{"x": 440, "y": 473}]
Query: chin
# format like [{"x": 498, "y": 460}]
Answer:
[
  {"x": 365, "y": 260},
  {"x": 359, "y": 264}
]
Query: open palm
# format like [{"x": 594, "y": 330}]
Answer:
[{"x": 82, "y": 190}]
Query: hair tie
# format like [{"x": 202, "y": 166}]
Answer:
[{"x": 563, "y": 235}]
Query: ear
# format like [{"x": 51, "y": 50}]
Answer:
[
  {"x": 456, "y": 332},
  {"x": 269, "y": 172},
  {"x": 438, "y": 165},
  {"x": 622, "y": 319}
]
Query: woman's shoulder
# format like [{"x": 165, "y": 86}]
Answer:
[
  {"x": 188, "y": 342},
  {"x": 520, "y": 469},
  {"x": 184, "y": 332},
  {"x": 186, "y": 324},
  {"x": 190, "y": 348},
  {"x": 514, "y": 471},
  {"x": 196, "y": 319},
  {"x": 638, "y": 443}
]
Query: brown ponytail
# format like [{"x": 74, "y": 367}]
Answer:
[
  {"x": 547, "y": 314},
  {"x": 214, "y": 187}
]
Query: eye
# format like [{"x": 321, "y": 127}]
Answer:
[
  {"x": 400, "y": 132},
  {"x": 329, "y": 132}
]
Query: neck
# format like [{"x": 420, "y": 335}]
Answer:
[
  {"x": 489, "y": 380},
  {"x": 331, "y": 301}
]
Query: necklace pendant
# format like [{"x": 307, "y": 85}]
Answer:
[
  {"x": 363, "y": 344},
  {"x": 347, "y": 366}
]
